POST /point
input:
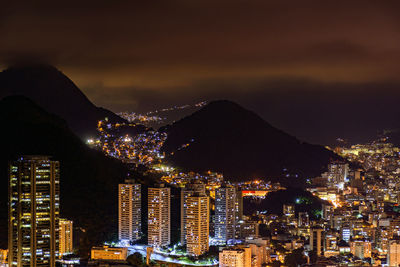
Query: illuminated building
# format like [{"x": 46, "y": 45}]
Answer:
[
  {"x": 149, "y": 251},
  {"x": 255, "y": 193},
  {"x": 235, "y": 257},
  {"x": 248, "y": 229},
  {"x": 259, "y": 251},
  {"x": 239, "y": 205},
  {"x": 226, "y": 213},
  {"x": 344, "y": 247},
  {"x": 316, "y": 240},
  {"x": 258, "y": 254},
  {"x": 360, "y": 248},
  {"x": 129, "y": 211},
  {"x": 107, "y": 253},
  {"x": 394, "y": 253},
  {"x": 395, "y": 227},
  {"x": 66, "y": 235},
  {"x": 288, "y": 210},
  {"x": 346, "y": 233},
  {"x": 33, "y": 211},
  {"x": 330, "y": 242},
  {"x": 327, "y": 210},
  {"x": 331, "y": 253},
  {"x": 190, "y": 189},
  {"x": 3, "y": 256},
  {"x": 337, "y": 222},
  {"x": 382, "y": 239},
  {"x": 338, "y": 174},
  {"x": 197, "y": 222},
  {"x": 328, "y": 194},
  {"x": 304, "y": 219},
  {"x": 159, "y": 218}
]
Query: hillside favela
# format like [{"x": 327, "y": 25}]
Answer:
[{"x": 199, "y": 133}]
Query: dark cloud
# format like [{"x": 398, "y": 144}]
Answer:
[
  {"x": 285, "y": 59},
  {"x": 221, "y": 36}
]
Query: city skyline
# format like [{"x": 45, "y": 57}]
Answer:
[
  {"x": 200, "y": 133},
  {"x": 334, "y": 233}
]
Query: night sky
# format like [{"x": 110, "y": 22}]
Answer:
[{"x": 316, "y": 69}]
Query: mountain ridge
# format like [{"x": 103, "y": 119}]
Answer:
[
  {"x": 52, "y": 90},
  {"x": 237, "y": 142}
]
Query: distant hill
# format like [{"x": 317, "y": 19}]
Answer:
[
  {"x": 170, "y": 115},
  {"x": 225, "y": 137},
  {"x": 56, "y": 93},
  {"x": 393, "y": 136},
  {"x": 88, "y": 180}
]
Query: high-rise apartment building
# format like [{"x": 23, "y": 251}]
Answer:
[
  {"x": 159, "y": 216},
  {"x": 129, "y": 211},
  {"x": 226, "y": 213},
  {"x": 33, "y": 211},
  {"x": 66, "y": 237},
  {"x": 317, "y": 240},
  {"x": 196, "y": 187},
  {"x": 197, "y": 222}
]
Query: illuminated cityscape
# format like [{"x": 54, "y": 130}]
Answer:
[
  {"x": 200, "y": 133},
  {"x": 355, "y": 224},
  {"x": 143, "y": 148}
]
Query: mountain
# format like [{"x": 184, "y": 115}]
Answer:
[
  {"x": 88, "y": 179},
  {"x": 56, "y": 93},
  {"x": 227, "y": 138}
]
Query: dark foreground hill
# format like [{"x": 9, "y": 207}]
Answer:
[
  {"x": 56, "y": 93},
  {"x": 227, "y": 138},
  {"x": 88, "y": 179}
]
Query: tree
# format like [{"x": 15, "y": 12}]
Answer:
[
  {"x": 276, "y": 264},
  {"x": 313, "y": 256},
  {"x": 295, "y": 258},
  {"x": 136, "y": 259}
]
